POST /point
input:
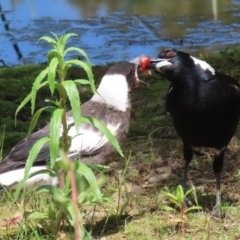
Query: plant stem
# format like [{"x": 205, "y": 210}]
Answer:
[
  {"x": 182, "y": 219},
  {"x": 74, "y": 195},
  {"x": 59, "y": 219},
  {"x": 62, "y": 173}
]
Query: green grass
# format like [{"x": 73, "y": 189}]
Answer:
[{"x": 152, "y": 143}]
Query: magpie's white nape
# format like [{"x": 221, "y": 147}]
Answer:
[
  {"x": 204, "y": 105},
  {"x": 111, "y": 105}
]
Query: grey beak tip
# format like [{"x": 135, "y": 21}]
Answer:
[{"x": 157, "y": 63}]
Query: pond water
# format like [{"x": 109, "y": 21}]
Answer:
[{"x": 117, "y": 30}]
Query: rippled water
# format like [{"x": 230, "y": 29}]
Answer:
[{"x": 117, "y": 30}]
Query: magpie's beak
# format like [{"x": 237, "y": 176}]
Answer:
[{"x": 158, "y": 63}]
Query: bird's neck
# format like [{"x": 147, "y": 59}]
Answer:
[{"x": 114, "y": 91}]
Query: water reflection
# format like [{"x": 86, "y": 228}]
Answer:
[
  {"x": 191, "y": 8},
  {"x": 14, "y": 44},
  {"x": 117, "y": 30}
]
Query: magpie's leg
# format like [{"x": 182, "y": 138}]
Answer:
[
  {"x": 188, "y": 155},
  {"x": 217, "y": 168}
]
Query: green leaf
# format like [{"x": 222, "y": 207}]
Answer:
[
  {"x": 99, "y": 167},
  {"x": 99, "y": 125},
  {"x": 167, "y": 208},
  {"x": 32, "y": 95},
  {"x": 81, "y": 82},
  {"x": 59, "y": 197},
  {"x": 83, "y": 197},
  {"x": 50, "y": 172},
  {"x": 192, "y": 208},
  {"x": 2, "y": 142},
  {"x": 30, "y": 160},
  {"x": 39, "y": 78},
  {"x": 87, "y": 235},
  {"x": 194, "y": 194},
  {"x": 49, "y": 40},
  {"x": 62, "y": 161},
  {"x": 22, "y": 104},
  {"x": 170, "y": 196},
  {"x": 65, "y": 70},
  {"x": 35, "y": 215},
  {"x": 188, "y": 192},
  {"x": 56, "y": 36},
  {"x": 52, "y": 54},
  {"x": 86, "y": 68},
  {"x": 64, "y": 165},
  {"x": 36, "y": 115},
  {"x": 55, "y": 133},
  {"x": 68, "y": 35},
  {"x": 44, "y": 189},
  {"x": 60, "y": 47},
  {"x": 67, "y": 185},
  {"x": 42, "y": 84},
  {"x": 176, "y": 202},
  {"x": 36, "y": 86},
  {"x": 79, "y": 50},
  {"x": 83, "y": 170},
  {"x": 63, "y": 40},
  {"x": 51, "y": 74},
  {"x": 180, "y": 193},
  {"x": 75, "y": 216},
  {"x": 73, "y": 96}
]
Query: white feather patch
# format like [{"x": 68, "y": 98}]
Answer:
[
  {"x": 113, "y": 91},
  {"x": 87, "y": 139},
  {"x": 17, "y": 175},
  {"x": 204, "y": 65}
]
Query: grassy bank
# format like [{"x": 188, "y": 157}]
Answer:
[{"x": 152, "y": 149}]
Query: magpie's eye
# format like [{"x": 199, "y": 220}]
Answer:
[{"x": 168, "y": 53}]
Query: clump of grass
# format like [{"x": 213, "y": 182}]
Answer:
[{"x": 178, "y": 199}]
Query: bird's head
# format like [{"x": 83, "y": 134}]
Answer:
[
  {"x": 117, "y": 84},
  {"x": 174, "y": 64},
  {"x": 121, "y": 73}
]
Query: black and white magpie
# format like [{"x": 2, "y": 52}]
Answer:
[
  {"x": 204, "y": 105},
  {"x": 111, "y": 105}
]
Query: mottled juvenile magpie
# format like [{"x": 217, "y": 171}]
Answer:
[
  {"x": 111, "y": 105},
  {"x": 204, "y": 105}
]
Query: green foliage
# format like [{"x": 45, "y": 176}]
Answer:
[
  {"x": 75, "y": 179},
  {"x": 178, "y": 198},
  {"x": 16, "y": 83},
  {"x": 227, "y": 62}
]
